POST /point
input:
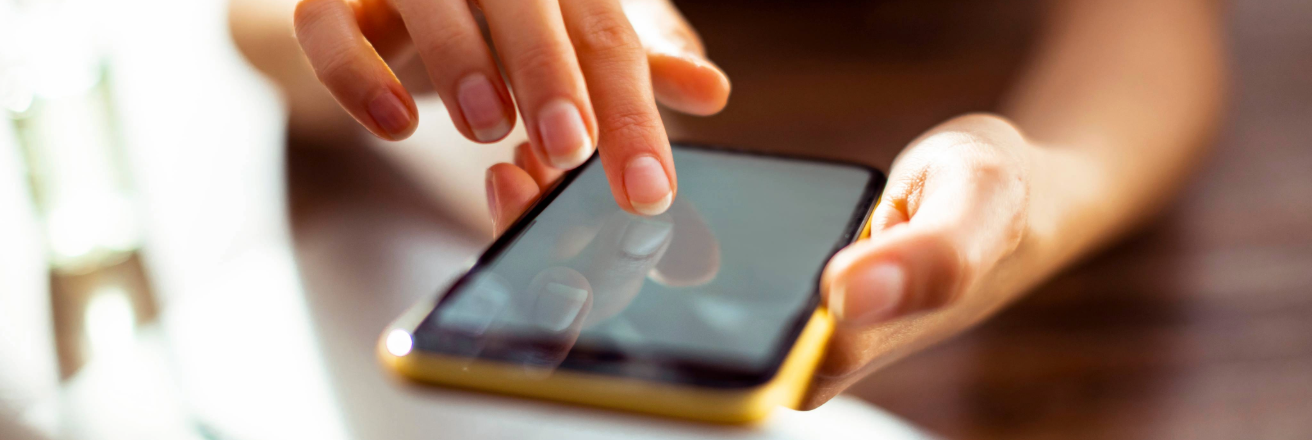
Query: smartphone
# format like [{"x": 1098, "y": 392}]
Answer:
[{"x": 710, "y": 311}]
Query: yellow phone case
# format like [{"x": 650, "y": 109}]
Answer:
[{"x": 674, "y": 400}]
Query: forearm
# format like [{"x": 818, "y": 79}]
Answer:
[{"x": 1119, "y": 104}]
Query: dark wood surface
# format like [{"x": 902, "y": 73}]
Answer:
[{"x": 1198, "y": 326}]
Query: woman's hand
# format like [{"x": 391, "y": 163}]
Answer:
[
  {"x": 585, "y": 74},
  {"x": 942, "y": 252}
]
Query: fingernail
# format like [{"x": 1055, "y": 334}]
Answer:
[
  {"x": 491, "y": 188},
  {"x": 390, "y": 114},
  {"x": 559, "y": 306},
  {"x": 564, "y": 136},
  {"x": 482, "y": 108},
  {"x": 647, "y": 186},
  {"x": 869, "y": 295},
  {"x": 643, "y": 237}
]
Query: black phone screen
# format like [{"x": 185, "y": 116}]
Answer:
[{"x": 712, "y": 292}]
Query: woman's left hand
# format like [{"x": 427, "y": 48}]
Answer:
[{"x": 942, "y": 253}]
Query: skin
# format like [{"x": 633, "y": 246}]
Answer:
[
  {"x": 1101, "y": 129},
  {"x": 582, "y": 78}
]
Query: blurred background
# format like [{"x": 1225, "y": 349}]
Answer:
[{"x": 175, "y": 262}]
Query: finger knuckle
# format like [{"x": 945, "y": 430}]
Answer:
[
  {"x": 535, "y": 59},
  {"x": 629, "y": 122},
  {"x": 605, "y": 34},
  {"x": 990, "y": 168},
  {"x": 446, "y": 42},
  {"x": 310, "y": 13},
  {"x": 339, "y": 68},
  {"x": 984, "y": 157},
  {"x": 1002, "y": 184},
  {"x": 1015, "y": 231}
]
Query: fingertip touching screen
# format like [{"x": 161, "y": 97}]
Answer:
[{"x": 712, "y": 292}]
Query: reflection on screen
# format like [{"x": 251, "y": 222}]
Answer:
[{"x": 719, "y": 279}]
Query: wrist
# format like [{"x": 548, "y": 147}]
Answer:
[{"x": 1067, "y": 205}]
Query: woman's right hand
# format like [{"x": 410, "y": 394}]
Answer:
[{"x": 584, "y": 73}]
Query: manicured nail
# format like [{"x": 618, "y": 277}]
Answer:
[
  {"x": 493, "y": 208},
  {"x": 390, "y": 114},
  {"x": 482, "y": 108},
  {"x": 647, "y": 186},
  {"x": 869, "y": 295},
  {"x": 564, "y": 136},
  {"x": 643, "y": 237},
  {"x": 559, "y": 306}
]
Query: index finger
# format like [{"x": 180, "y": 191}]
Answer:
[{"x": 632, "y": 141}]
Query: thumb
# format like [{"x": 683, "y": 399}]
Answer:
[
  {"x": 682, "y": 77},
  {"x": 904, "y": 271},
  {"x": 955, "y": 207}
]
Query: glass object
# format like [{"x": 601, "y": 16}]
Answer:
[{"x": 57, "y": 95}]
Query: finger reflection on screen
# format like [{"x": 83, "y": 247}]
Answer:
[
  {"x": 617, "y": 261},
  {"x": 693, "y": 258}
]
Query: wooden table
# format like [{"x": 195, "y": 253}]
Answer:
[{"x": 1199, "y": 326}]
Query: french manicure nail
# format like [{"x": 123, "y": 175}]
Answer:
[
  {"x": 390, "y": 114},
  {"x": 481, "y": 105},
  {"x": 559, "y": 306},
  {"x": 564, "y": 136},
  {"x": 647, "y": 186},
  {"x": 869, "y": 295},
  {"x": 643, "y": 237}
]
